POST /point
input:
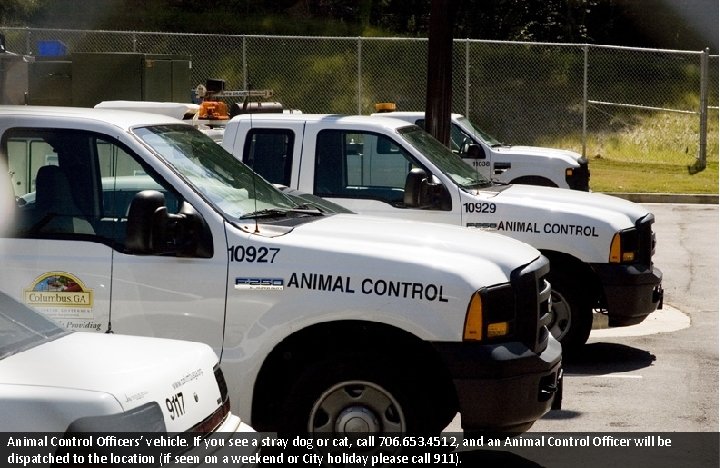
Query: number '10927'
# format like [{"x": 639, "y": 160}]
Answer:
[{"x": 252, "y": 254}]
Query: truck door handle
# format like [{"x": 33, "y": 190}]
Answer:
[{"x": 499, "y": 168}]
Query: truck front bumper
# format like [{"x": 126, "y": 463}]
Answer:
[
  {"x": 505, "y": 387},
  {"x": 579, "y": 177},
  {"x": 632, "y": 292}
]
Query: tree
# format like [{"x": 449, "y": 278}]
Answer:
[
  {"x": 438, "y": 98},
  {"x": 17, "y": 11}
]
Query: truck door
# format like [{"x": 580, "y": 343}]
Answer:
[
  {"x": 66, "y": 254},
  {"x": 480, "y": 159},
  {"x": 368, "y": 172},
  {"x": 55, "y": 255},
  {"x": 158, "y": 293}
]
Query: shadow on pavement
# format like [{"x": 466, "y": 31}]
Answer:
[{"x": 604, "y": 358}]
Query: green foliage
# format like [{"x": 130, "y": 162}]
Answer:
[
  {"x": 17, "y": 11},
  {"x": 619, "y": 22},
  {"x": 536, "y": 88},
  {"x": 657, "y": 154},
  {"x": 614, "y": 176}
]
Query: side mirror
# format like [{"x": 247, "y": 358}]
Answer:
[
  {"x": 191, "y": 233},
  {"x": 423, "y": 192},
  {"x": 152, "y": 230},
  {"x": 474, "y": 151},
  {"x": 142, "y": 236},
  {"x": 413, "y": 184}
]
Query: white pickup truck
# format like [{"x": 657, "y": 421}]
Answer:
[
  {"x": 600, "y": 247},
  {"x": 324, "y": 323},
  {"x": 514, "y": 164}
]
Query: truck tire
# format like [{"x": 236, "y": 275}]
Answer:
[
  {"x": 572, "y": 312},
  {"x": 347, "y": 394}
]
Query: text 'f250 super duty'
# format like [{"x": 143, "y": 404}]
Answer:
[
  {"x": 141, "y": 224},
  {"x": 600, "y": 247}
]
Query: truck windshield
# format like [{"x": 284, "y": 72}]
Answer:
[
  {"x": 225, "y": 182},
  {"x": 468, "y": 126},
  {"x": 444, "y": 159}
]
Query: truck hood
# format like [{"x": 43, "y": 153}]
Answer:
[
  {"x": 618, "y": 212},
  {"x": 570, "y": 157},
  {"x": 133, "y": 370},
  {"x": 437, "y": 246}
]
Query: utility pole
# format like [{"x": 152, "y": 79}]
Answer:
[{"x": 438, "y": 94}]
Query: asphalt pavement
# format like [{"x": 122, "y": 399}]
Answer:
[{"x": 662, "y": 374}]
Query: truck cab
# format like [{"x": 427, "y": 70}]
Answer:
[
  {"x": 514, "y": 164},
  {"x": 600, "y": 247}
]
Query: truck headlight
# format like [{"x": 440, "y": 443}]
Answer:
[
  {"x": 624, "y": 246},
  {"x": 490, "y": 313}
]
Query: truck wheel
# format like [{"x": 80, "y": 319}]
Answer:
[
  {"x": 572, "y": 315},
  {"x": 349, "y": 395}
]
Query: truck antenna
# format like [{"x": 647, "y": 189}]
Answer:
[
  {"x": 110, "y": 302},
  {"x": 254, "y": 176}
]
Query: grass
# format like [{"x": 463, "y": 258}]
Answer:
[
  {"x": 652, "y": 153},
  {"x": 635, "y": 177}
]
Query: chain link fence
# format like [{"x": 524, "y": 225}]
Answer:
[{"x": 592, "y": 99}]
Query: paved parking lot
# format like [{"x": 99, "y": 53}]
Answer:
[{"x": 660, "y": 375}]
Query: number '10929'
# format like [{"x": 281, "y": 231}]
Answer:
[{"x": 480, "y": 207}]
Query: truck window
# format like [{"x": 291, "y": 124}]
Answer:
[
  {"x": 360, "y": 165},
  {"x": 73, "y": 184},
  {"x": 458, "y": 138},
  {"x": 122, "y": 178},
  {"x": 269, "y": 153},
  {"x": 52, "y": 182}
]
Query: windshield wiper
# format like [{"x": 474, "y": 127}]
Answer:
[
  {"x": 479, "y": 183},
  {"x": 280, "y": 213}
]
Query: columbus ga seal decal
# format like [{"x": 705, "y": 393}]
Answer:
[{"x": 61, "y": 296}]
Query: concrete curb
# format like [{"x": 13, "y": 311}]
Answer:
[
  {"x": 667, "y": 319},
  {"x": 709, "y": 199}
]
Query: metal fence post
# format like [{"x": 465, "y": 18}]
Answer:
[
  {"x": 467, "y": 77},
  {"x": 702, "y": 146},
  {"x": 585, "y": 98},
  {"x": 244, "y": 62},
  {"x": 28, "y": 33},
  {"x": 359, "y": 77}
]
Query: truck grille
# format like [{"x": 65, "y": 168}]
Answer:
[
  {"x": 646, "y": 239},
  {"x": 532, "y": 301},
  {"x": 580, "y": 178}
]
